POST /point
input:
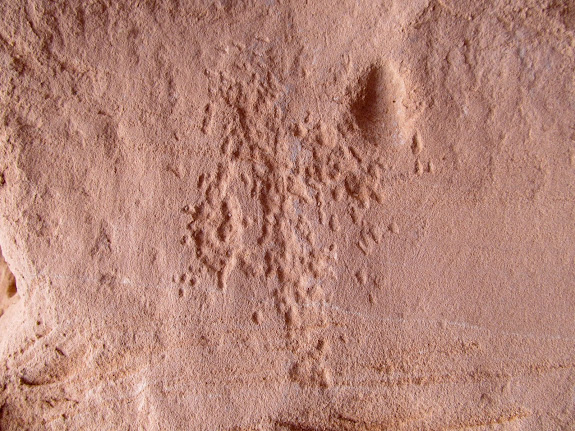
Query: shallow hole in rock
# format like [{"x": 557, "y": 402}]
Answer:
[
  {"x": 8, "y": 289},
  {"x": 11, "y": 289}
]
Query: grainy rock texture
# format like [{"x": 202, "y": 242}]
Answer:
[{"x": 287, "y": 215}]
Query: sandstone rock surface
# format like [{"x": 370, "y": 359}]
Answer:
[{"x": 287, "y": 215}]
